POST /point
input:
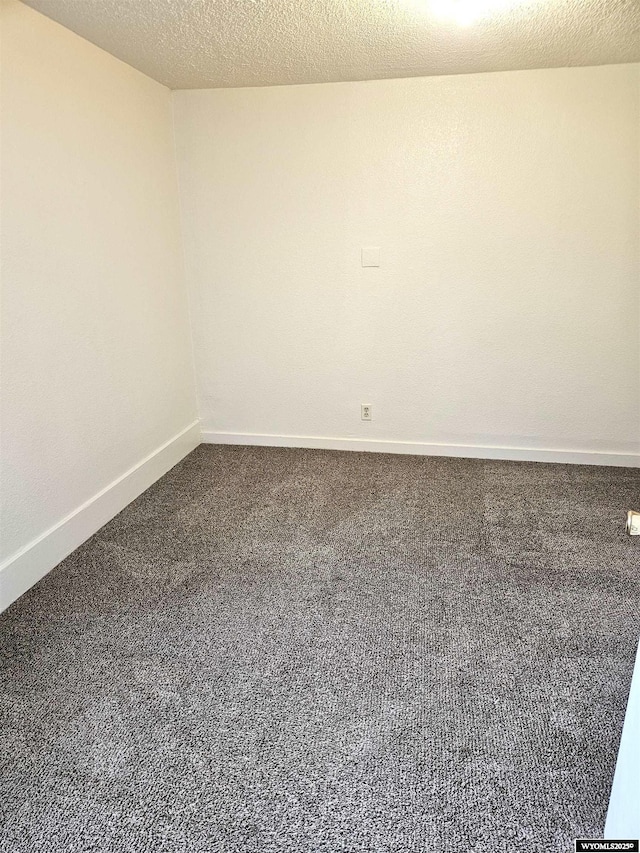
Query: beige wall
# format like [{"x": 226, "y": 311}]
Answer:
[
  {"x": 505, "y": 310},
  {"x": 96, "y": 358}
]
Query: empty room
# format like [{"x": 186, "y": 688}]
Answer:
[{"x": 320, "y": 426}]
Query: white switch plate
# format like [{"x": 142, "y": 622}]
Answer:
[{"x": 371, "y": 256}]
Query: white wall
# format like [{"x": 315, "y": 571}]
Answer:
[
  {"x": 97, "y": 370},
  {"x": 505, "y": 312},
  {"x": 504, "y": 315}
]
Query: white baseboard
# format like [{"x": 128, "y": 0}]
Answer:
[
  {"x": 469, "y": 451},
  {"x": 25, "y": 568}
]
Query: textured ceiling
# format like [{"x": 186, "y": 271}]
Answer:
[{"x": 190, "y": 44}]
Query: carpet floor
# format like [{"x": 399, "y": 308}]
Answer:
[{"x": 290, "y": 651}]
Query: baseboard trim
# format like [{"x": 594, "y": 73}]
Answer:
[
  {"x": 26, "y": 567},
  {"x": 469, "y": 451}
]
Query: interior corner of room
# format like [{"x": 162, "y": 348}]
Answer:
[{"x": 211, "y": 290}]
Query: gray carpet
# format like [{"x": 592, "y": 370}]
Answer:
[{"x": 296, "y": 650}]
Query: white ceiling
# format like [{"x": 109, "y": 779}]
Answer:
[{"x": 188, "y": 44}]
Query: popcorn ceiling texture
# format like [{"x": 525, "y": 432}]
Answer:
[{"x": 190, "y": 44}]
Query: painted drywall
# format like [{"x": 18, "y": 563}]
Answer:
[
  {"x": 504, "y": 313},
  {"x": 97, "y": 369},
  {"x": 623, "y": 814}
]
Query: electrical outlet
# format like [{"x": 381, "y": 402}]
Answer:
[
  {"x": 633, "y": 523},
  {"x": 365, "y": 412}
]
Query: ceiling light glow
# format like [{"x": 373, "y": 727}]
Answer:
[{"x": 466, "y": 12}]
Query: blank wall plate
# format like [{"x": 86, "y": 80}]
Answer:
[{"x": 371, "y": 256}]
